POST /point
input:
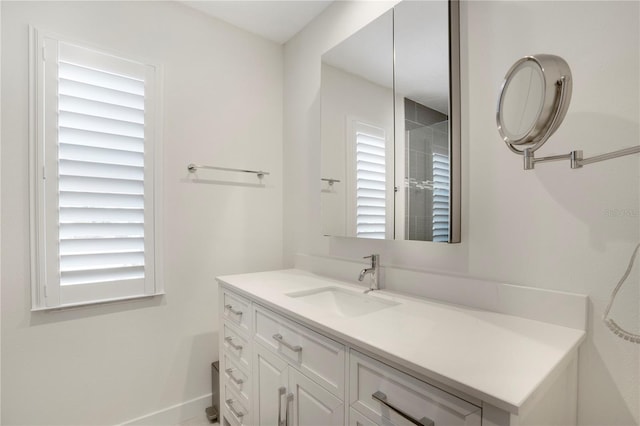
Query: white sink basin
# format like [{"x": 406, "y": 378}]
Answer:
[{"x": 344, "y": 303}]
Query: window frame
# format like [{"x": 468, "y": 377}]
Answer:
[{"x": 44, "y": 293}]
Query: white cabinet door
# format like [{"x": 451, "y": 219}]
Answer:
[
  {"x": 283, "y": 393},
  {"x": 312, "y": 405},
  {"x": 270, "y": 387}
]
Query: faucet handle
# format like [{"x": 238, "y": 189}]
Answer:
[{"x": 375, "y": 258}]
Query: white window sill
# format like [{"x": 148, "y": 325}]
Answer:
[{"x": 95, "y": 303}]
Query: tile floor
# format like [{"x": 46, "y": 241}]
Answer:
[{"x": 200, "y": 420}]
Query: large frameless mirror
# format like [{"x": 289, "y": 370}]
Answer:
[{"x": 390, "y": 130}]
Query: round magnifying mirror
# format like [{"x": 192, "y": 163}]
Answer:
[{"x": 533, "y": 101}]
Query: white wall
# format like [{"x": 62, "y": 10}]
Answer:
[
  {"x": 222, "y": 106},
  {"x": 552, "y": 227}
]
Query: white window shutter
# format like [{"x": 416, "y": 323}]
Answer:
[
  {"x": 371, "y": 182},
  {"x": 441, "y": 197},
  {"x": 99, "y": 166}
]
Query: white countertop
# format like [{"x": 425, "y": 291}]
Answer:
[{"x": 497, "y": 358}]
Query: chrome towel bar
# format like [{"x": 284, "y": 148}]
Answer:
[{"x": 193, "y": 167}]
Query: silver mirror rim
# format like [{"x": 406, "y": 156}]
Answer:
[{"x": 551, "y": 114}]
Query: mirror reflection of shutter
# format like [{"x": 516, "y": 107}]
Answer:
[
  {"x": 441, "y": 197},
  {"x": 370, "y": 182}
]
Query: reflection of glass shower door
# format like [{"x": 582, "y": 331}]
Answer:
[
  {"x": 418, "y": 182},
  {"x": 427, "y": 183}
]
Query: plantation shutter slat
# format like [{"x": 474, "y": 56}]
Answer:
[
  {"x": 80, "y": 73},
  {"x": 101, "y": 185},
  {"x": 370, "y": 183},
  {"x": 372, "y": 201},
  {"x": 372, "y": 167},
  {"x": 88, "y": 199},
  {"x": 101, "y": 173},
  {"x": 100, "y": 94},
  {"x": 371, "y": 219},
  {"x": 93, "y": 108},
  {"x": 74, "y": 120},
  {"x": 71, "y": 231},
  {"x": 89, "y": 262},
  {"x": 99, "y": 140},
  {"x": 101, "y": 246},
  {"x": 117, "y": 157},
  {"x": 98, "y": 276},
  {"x": 108, "y": 215},
  {"x": 441, "y": 197}
]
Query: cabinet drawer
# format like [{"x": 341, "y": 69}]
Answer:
[
  {"x": 236, "y": 310},
  {"x": 317, "y": 356},
  {"x": 237, "y": 379},
  {"x": 236, "y": 346},
  {"x": 234, "y": 410},
  {"x": 419, "y": 400},
  {"x": 357, "y": 419}
]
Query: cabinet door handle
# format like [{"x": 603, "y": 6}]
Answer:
[
  {"x": 278, "y": 338},
  {"x": 229, "y": 340},
  {"x": 233, "y": 311},
  {"x": 235, "y": 412},
  {"x": 425, "y": 421},
  {"x": 281, "y": 392},
  {"x": 286, "y": 414},
  {"x": 229, "y": 372}
]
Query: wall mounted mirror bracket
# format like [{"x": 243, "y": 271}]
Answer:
[{"x": 533, "y": 101}]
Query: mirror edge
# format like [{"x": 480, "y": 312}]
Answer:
[{"x": 455, "y": 140}]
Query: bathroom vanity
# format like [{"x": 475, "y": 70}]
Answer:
[{"x": 300, "y": 349}]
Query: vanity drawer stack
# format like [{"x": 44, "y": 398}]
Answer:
[{"x": 235, "y": 359}]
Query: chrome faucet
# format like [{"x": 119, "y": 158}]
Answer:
[{"x": 375, "y": 268}]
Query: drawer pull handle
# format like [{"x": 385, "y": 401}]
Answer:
[
  {"x": 233, "y": 311},
  {"x": 286, "y": 414},
  {"x": 281, "y": 391},
  {"x": 425, "y": 421},
  {"x": 229, "y": 340},
  {"x": 280, "y": 339},
  {"x": 235, "y": 412},
  {"x": 229, "y": 372}
]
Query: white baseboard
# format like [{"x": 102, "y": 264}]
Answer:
[{"x": 173, "y": 415}]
